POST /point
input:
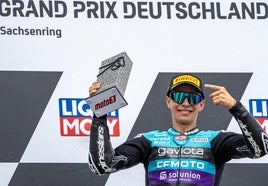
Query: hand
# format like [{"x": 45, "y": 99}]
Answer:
[
  {"x": 94, "y": 88},
  {"x": 221, "y": 96}
]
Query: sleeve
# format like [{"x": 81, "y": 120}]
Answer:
[
  {"x": 254, "y": 136},
  {"x": 252, "y": 143},
  {"x": 103, "y": 159}
]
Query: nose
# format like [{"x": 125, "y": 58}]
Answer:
[{"x": 185, "y": 102}]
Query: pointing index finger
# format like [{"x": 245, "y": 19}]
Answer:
[{"x": 212, "y": 87}]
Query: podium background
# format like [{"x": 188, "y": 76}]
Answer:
[{"x": 38, "y": 71}]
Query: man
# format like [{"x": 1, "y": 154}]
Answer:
[{"x": 183, "y": 155}]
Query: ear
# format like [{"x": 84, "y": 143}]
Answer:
[
  {"x": 202, "y": 105},
  {"x": 168, "y": 100}
]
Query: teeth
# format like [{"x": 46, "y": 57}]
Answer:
[{"x": 184, "y": 110}]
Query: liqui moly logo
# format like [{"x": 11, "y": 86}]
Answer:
[
  {"x": 259, "y": 109},
  {"x": 106, "y": 102},
  {"x": 76, "y": 118}
]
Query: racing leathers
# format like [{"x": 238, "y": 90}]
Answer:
[{"x": 192, "y": 158}]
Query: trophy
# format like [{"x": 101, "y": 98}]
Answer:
[{"x": 113, "y": 76}]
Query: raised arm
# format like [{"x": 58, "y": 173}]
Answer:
[
  {"x": 255, "y": 137},
  {"x": 103, "y": 159}
]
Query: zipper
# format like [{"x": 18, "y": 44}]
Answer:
[{"x": 179, "y": 171}]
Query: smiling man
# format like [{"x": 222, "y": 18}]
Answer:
[{"x": 184, "y": 155}]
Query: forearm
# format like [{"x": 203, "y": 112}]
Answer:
[
  {"x": 101, "y": 152},
  {"x": 255, "y": 136}
]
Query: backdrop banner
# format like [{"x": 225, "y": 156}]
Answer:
[{"x": 51, "y": 51}]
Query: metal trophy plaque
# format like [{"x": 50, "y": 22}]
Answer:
[{"x": 113, "y": 76}]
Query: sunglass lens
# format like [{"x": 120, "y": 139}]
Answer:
[{"x": 179, "y": 97}]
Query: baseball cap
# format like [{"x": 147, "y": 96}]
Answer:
[{"x": 186, "y": 79}]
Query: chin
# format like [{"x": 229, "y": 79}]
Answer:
[{"x": 184, "y": 122}]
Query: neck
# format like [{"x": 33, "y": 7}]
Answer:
[{"x": 183, "y": 128}]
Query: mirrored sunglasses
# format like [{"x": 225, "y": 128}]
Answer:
[{"x": 193, "y": 98}]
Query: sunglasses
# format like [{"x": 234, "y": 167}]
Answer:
[{"x": 193, "y": 98}]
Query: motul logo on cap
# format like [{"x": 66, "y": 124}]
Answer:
[{"x": 106, "y": 102}]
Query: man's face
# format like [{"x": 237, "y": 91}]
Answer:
[{"x": 184, "y": 113}]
